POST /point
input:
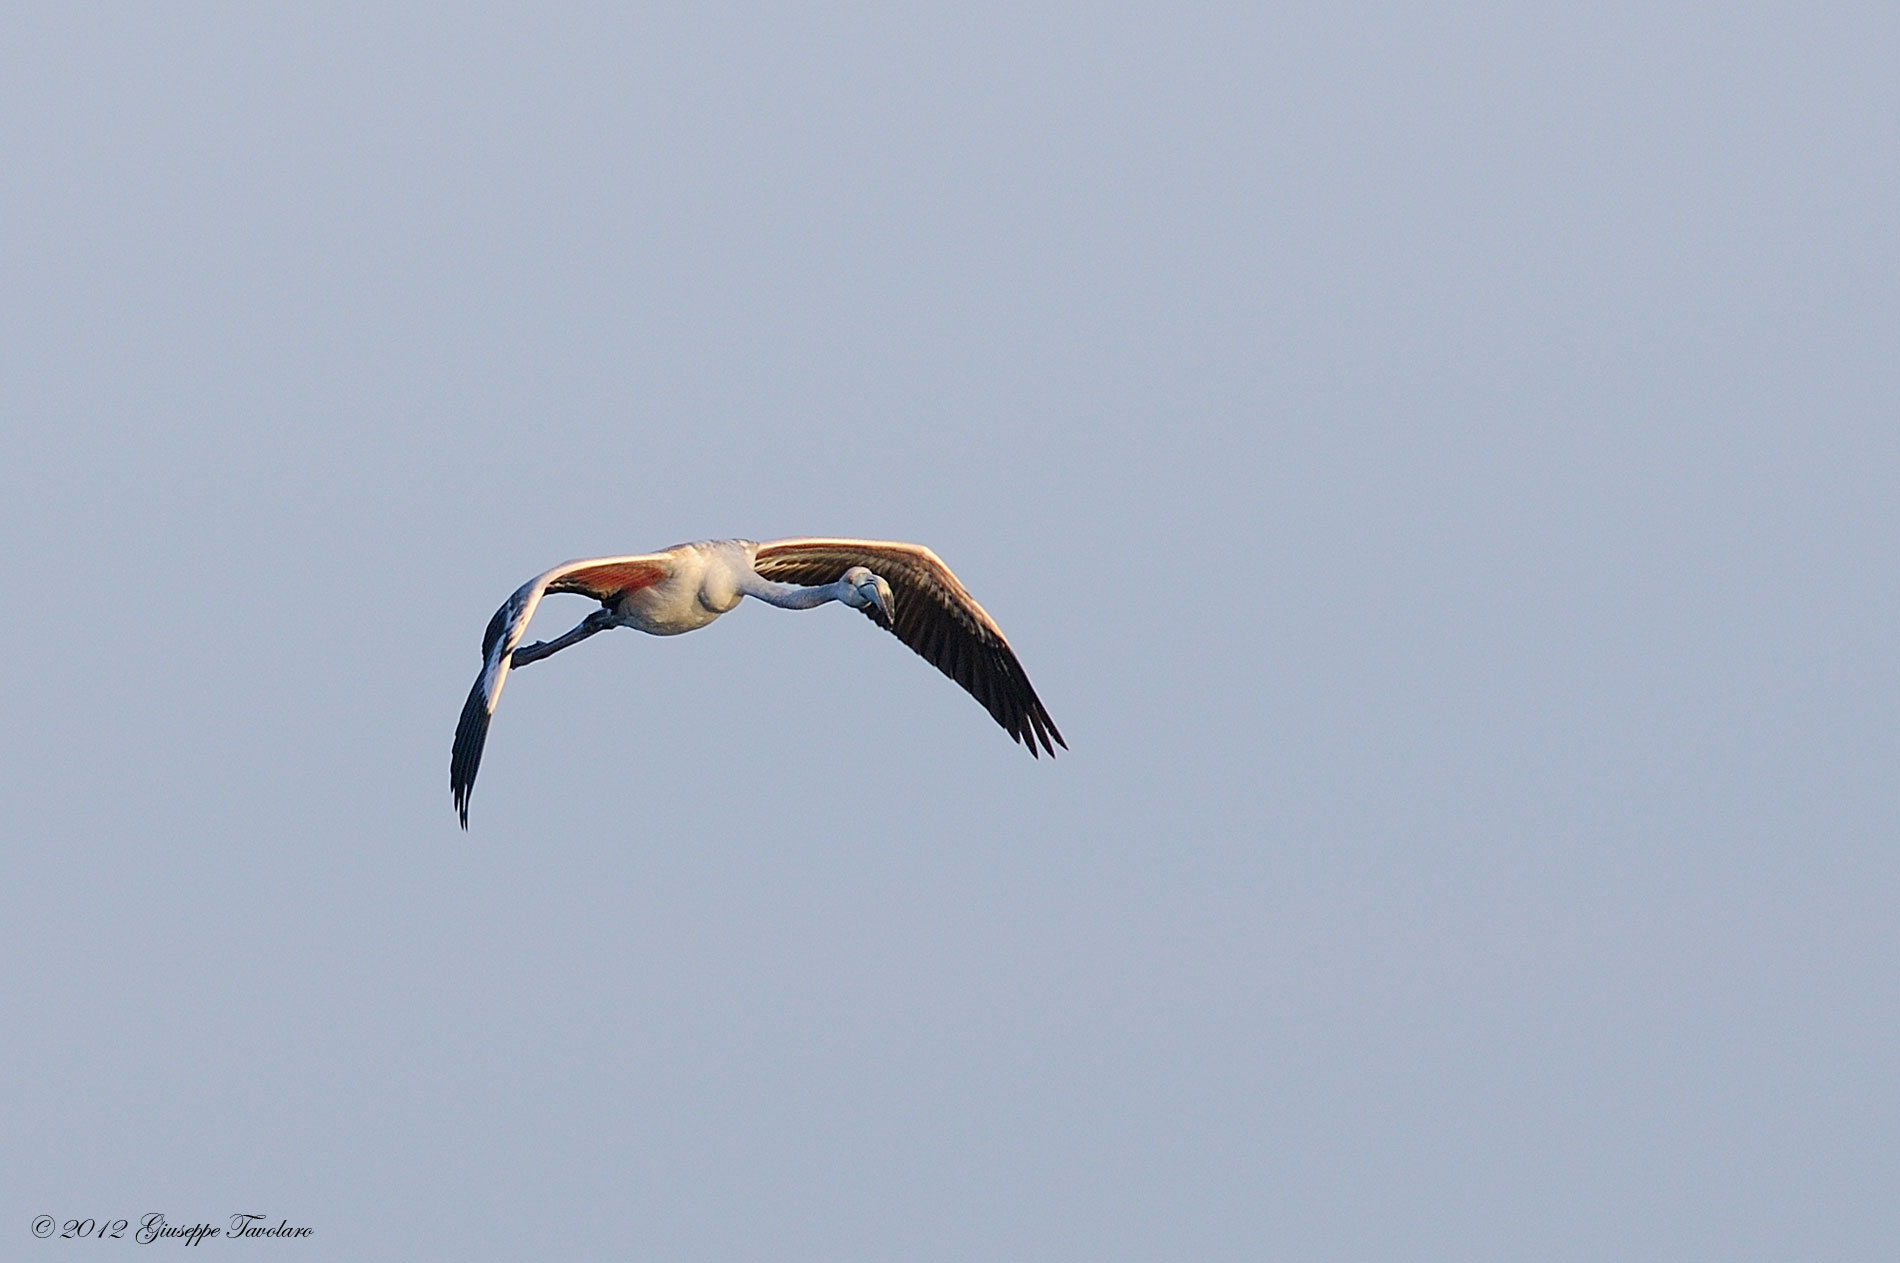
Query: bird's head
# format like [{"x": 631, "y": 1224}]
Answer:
[{"x": 869, "y": 592}]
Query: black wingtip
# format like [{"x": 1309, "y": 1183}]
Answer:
[
  {"x": 1046, "y": 729},
  {"x": 471, "y": 733}
]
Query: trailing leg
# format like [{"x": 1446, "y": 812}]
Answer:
[{"x": 599, "y": 621}]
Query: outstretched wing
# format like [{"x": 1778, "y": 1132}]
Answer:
[
  {"x": 603, "y": 578},
  {"x": 934, "y": 615}
]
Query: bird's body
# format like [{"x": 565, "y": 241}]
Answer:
[
  {"x": 904, "y": 588},
  {"x": 701, "y": 581}
]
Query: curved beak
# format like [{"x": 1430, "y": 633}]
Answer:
[{"x": 878, "y": 594}]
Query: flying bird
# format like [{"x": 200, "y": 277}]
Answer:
[{"x": 903, "y": 588}]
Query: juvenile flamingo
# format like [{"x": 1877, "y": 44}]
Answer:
[{"x": 903, "y": 588}]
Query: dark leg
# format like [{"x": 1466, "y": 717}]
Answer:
[{"x": 599, "y": 621}]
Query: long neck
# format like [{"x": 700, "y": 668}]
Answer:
[{"x": 795, "y": 596}]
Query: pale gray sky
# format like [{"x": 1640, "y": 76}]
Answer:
[{"x": 1436, "y": 462}]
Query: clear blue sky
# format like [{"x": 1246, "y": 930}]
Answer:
[{"x": 1436, "y": 462}]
